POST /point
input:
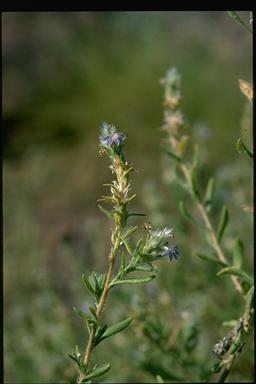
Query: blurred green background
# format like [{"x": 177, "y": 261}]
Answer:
[{"x": 63, "y": 74}]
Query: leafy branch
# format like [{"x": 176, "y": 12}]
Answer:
[{"x": 131, "y": 259}]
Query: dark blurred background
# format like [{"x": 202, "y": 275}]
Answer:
[{"x": 63, "y": 74}]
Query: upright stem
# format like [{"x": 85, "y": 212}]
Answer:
[
  {"x": 102, "y": 301},
  {"x": 209, "y": 226}
]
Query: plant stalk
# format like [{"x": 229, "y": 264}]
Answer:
[
  {"x": 102, "y": 301},
  {"x": 209, "y": 226}
]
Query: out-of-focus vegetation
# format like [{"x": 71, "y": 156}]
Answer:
[{"x": 63, "y": 74}]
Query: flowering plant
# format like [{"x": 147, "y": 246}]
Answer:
[{"x": 131, "y": 259}]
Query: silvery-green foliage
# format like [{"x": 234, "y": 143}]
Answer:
[{"x": 177, "y": 148}]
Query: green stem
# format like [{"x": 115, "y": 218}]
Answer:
[
  {"x": 209, "y": 226},
  {"x": 102, "y": 301}
]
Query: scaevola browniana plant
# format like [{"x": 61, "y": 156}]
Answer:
[{"x": 138, "y": 258}]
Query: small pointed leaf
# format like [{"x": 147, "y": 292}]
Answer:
[
  {"x": 136, "y": 214},
  {"x": 93, "y": 311},
  {"x": 130, "y": 231},
  {"x": 211, "y": 258},
  {"x": 88, "y": 285},
  {"x": 123, "y": 260},
  {"x": 173, "y": 155},
  {"x": 116, "y": 328},
  {"x": 235, "y": 271},
  {"x": 127, "y": 246},
  {"x": 194, "y": 185},
  {"x": 133, "y": 281},
  {"x": 187, "y": 214},
  {"x": 195, "y": 157},
  {"x": 82, "y": 314},
  {"x": 106, "y": 212},
  {"x": 238, "y": 253},
  {"x": 146, "y": 267},
  {"x": 97, "y": 372},
  {"x": 209, "y": 194},
  {"x": 223, "y": 223}
]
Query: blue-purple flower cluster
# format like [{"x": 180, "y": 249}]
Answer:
[
  {"x": 171, "y": 251},
  {"x": 109, "y": 136},
  {"x": 157, "y": 245}
]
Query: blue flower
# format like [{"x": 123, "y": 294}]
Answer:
[
  {"x": 172, "y": 252},
  {"x": 109, "y": 136}
]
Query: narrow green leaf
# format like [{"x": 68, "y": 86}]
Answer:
[
  {"x": 127, "y": 246},
  {"x": 130, "y": 231},
  {"x": 211, "y": 258},
  {"x": 236, "y": 271},
  {"x": 137, "y": 249},
  {"x": 234, "y": 15},
  {"x": 145, "y": 267},
  {"x": 88, "y": 285},
  {"x": 194, "y": 185},
  {"x": 179, "y": 178},
  {"x": 209, "y": 194},
  {"x": 133, "y": 281},
  {"x": 82, "y": 314},
  {"x": 75, "y": 359},
  {"x": 173, "y": 155},
  {"x": 123, "y": 260},
  {"x": 98, "y": 334},
  {"x": 241, "y": 148},
  {"x": 92, "y": 282},
  {"x": 98, "y": 288},
  {"x": 223, "y": 223},
  {"x": 106, "y": 212},
  {"x": 136, "y": 214},
  {"x": 238, "y": 253},
  {"x": 97, "y": 372},
  {"x": 195, "y": 159},
  {"x": 185, "y": 212},
  {"x": 93, "y": 311},
  {"x": 188, "y": 216},
  {"x": 116, "y": 328}
]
